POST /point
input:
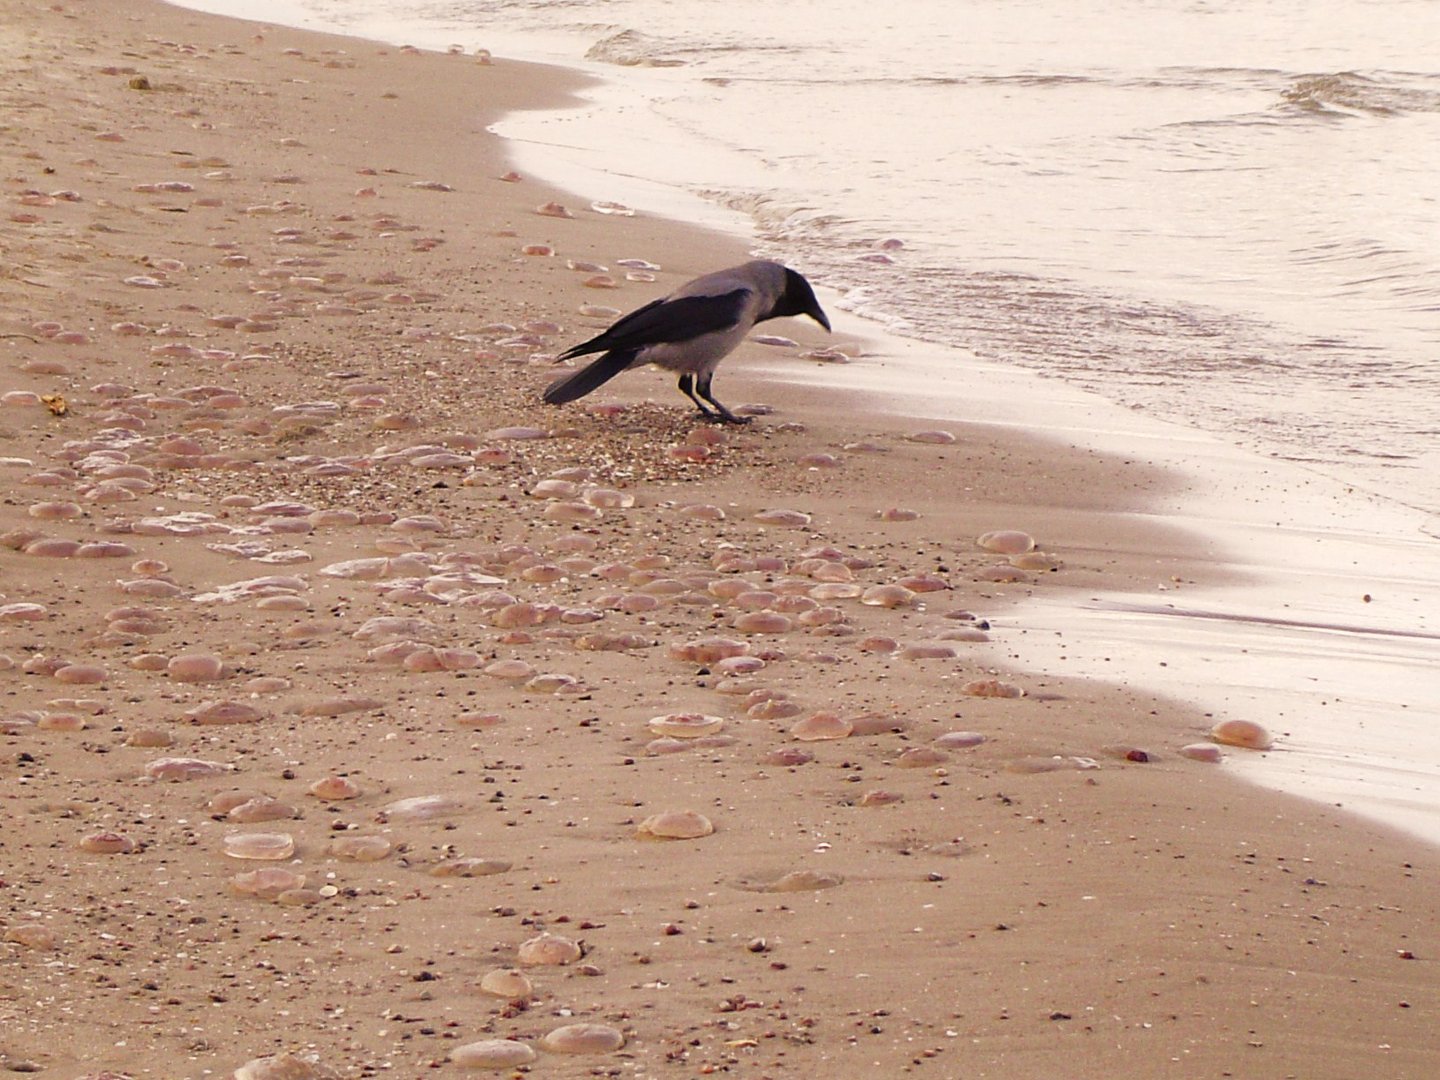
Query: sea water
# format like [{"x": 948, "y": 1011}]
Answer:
[{"x": 1224, "y": 214}]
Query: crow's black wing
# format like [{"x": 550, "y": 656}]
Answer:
[{"x": 680, "y": 319}]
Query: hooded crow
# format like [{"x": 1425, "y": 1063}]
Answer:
[{"x": 691, "y": 331}]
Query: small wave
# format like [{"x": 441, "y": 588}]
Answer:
[
  {"x": 630, "y": 48},
  {"x": 1350, "y": 93}
]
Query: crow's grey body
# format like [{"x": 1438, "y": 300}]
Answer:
[{"x": 691, "y": 331}]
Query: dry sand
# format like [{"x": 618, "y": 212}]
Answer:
[{"x": 210, "y": 229}]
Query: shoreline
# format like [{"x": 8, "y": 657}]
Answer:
[
  {"x": 1143, "y": 905},
  {"x": 1318, "y": 542}
]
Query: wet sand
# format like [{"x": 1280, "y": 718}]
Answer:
[{"x": 282, "y": 507}]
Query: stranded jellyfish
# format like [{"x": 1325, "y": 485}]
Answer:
[
  {"x": 548, "y": 949},
  {"x": 1006, "y": 542},
  {"x": 492, "y": 1054},
  {"x": 686, "y": 725},
  {"x": 583, "y": 1039},
  {"x": 675, "y": 825},
  {"x": 1244, "y": 733}
]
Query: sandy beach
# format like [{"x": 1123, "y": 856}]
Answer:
[{"x": 365, "y": 716}]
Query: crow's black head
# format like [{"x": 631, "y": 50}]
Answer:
[{"x": 799, "y": 299}]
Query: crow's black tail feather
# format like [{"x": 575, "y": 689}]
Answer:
[{"x": 579, "y": 383}]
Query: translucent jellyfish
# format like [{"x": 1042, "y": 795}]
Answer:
[
  {"x": 963, "y": 633},
  {"x": 608, "y": 498},
  {"x": 554, "y": 682},
  {"x": 507, "y": 983},
  {"x": 286, "y": 1067},
  {"x": 785, "y": 519},
  {"x": 1035, "y": 560},
  {"x": 803, "y": 881},
  {"x": 224, "y": 712},
  {"x": 266, "y": 846},
  {"x": 822, "y": 726},
  {"x": 739, "y": 665},
  {"x": 470, "y": 866},
  {"x": 53, "y": 511},
  {"x": 959, "y": 740},
  {"x": 262, "y": 808},
  {"x": 492, "y": 1054},
  {"x": 421, "y": 808},
  {"x": 675, "y": 825},
  {"x": 1208, "y": 752},
  {"x": 52, "y": 547},
  {"x": 762, "y": 622},
  {"x": 196, "y": 667},
  {"x": 708, "y": 650},
  {"x": 583, "y": 1039},
  {"x": 547, "y": 950},
  {"x": 1007, "y": 542},
  {"x": 686, "y": 725},
  {"x": 23, "y": 612},
  {"x": 266, "y": 883},
  {"x": 933, "y": 437},
  {"x": 335, "y": 789},
  {"x": 923, "y": 583},
  {"x": 360, "y": 848},
  {"x": 177, "y": 768},
  {"x": 80, "y": 674},
  {"x": 887, "y": 596},
  {"x": 1243, "y": 733},
  {"x": 109, "y": 843},
  {"x": 773, "y": 709}
]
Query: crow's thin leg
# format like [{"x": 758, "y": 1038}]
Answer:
[
  {"x": 687, "y": 387},
  {"x": 702, "y": 385}
]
